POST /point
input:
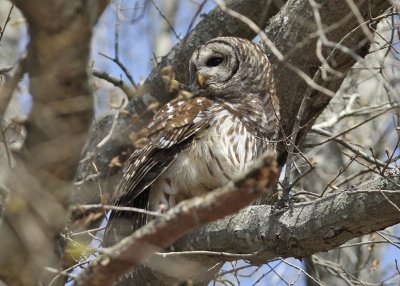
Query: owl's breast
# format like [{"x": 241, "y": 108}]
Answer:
[{"x": 217, "y": 155}]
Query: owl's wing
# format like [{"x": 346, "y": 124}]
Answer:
[{"x": 170, "y": 131}]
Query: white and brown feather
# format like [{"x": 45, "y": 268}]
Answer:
[{"x": 196, "y": 145}]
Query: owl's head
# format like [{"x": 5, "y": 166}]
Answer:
[{"x": 229, "y": 67}]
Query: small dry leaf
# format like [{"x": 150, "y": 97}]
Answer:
[
  {"x": 135, "y": 117},
  {"x": 19, "y": 120},
  {"x": 375, "y": 264},
  {"x": 16, "y": 204},
  {"x": 183, "y": 94},
  {"x": 153, "y": 107},
  {"x": 18, "y": 22},
  {"x": 133, "y": 137},
  {"x": 163, "y": 207},
  {"x": 140, "y": 143},
  {"x": 76, "y": 250},
  {"x": 144, "y": 132},
  {"x": 141, "y": 81},
  {"x": 168, "y": 70},
  {"x": 334, "y": 187},
  {"x": 115, "y": 162},
  {"x": 85, "y": 220},
  {"x": 123, "y": 111},
  {"x": 171, "y": 83},
  {"x": 105, "y": 261},
  {"x": 189, "y": 283}
]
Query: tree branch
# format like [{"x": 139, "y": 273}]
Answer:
[
  {"x": 304, "y": 228},
  {"x": 295, "y": 34},
  {"x": 57, "y": 59},
  {"x": 215, "y": 24},
  {"x": 160, "y": 233}
]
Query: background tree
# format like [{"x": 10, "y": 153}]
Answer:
[{"x": 336, "y": 65}]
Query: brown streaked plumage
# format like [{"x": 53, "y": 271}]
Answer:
[{"x": 196, "y": 145}]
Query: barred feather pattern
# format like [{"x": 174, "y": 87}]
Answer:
[{"x": 196, "y": 145}]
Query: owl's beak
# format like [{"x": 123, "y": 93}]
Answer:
[{"x": 201, "y": 80}]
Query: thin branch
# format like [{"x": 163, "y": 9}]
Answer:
[
  {"x": 91, "y": 154},
  {"x": 3, "y": 29},
  {"x": 116, "y": 48},
  {"x": 302, "y": 270},
  {"x": 101, "y": 207},
  {"x": 122, "y": 67},
  {"x": 265, "y": 40},
  {"x": 361, "y": 153},
  {"x": 86, "y": 231},
  {"x": 221, "y": 255},
  {"x": 383, "y": 112},
  {"x": 388, "y": 240},
  {"x": 115, "y": 81},
  {"x": 160, "y": 233},
  {"x": 117, "y": 29},
  {"x": 3, "y": 139},
  {"x": 196, "y": 14},
  {"x": 9, "y": 87},
  {"x": 166, "y": 20}
]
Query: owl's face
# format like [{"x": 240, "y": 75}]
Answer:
[
  {"x": 228, "y": 66},
  {"x": 212, "y": 66}
]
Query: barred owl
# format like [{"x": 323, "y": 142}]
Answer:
[{"x": 196, "y": 145}]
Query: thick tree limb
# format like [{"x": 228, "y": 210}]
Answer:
[
  {"x": 294, "y": 32},
  {"x": 257, "y": 233},
  {"x": 160, "y": 233},
  {"x": 57, "y": 59},
  {"x": 215, "y": 24},
  {"x": 304, "y": 228},
  {"x": 57, "y": 62},
  {"x": 261, "y": 233}
]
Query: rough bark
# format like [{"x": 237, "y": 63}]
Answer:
[
  {"x": 160, "y": 233},
  {"x": 261, "y": 233},
  {"x": 293, "y": 31},
  {"x": 304, "y": 228},
  {"x": 57, "y": 61},
  {"x": 215, "y": 24}
]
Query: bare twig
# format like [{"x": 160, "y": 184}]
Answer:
[
  {"x": 196, "y": 14},
  {"x": 166, "y": 20},
  {"x": 3, "y": 139},
  {"x": 9, "y": 87},
  {"x": 341, "y": 171},
  {"x": 265, "y": 40},
  {"x": 361, "y": 153},
  {"x": 388, "y": 240},
  {"x": 2, "y": 29},
  {"x": 383, "y": 112},
  {"x": 86, "y": 231},
  {"x": 99, "y": 207},
  {"x": 160, "y": 233},
  {"x": 302, "y": 270},
  {"x": 115, "y": 81},
  {"x": 209, "y": 254},
  {"x": 122, "y": 67},
  {"x": 91, "y": 154},
  {"x": 116, "y": 59}
]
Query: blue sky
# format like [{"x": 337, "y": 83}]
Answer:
[
  {"x": 136, "y": 53},
  {"x": 136, "y": 46}
]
